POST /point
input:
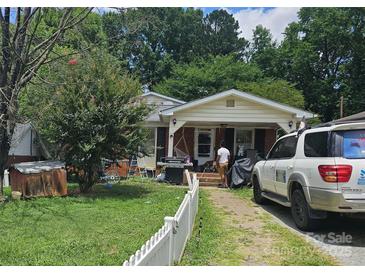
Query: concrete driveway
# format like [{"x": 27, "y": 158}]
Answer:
[{"x": 341, "y": 237}]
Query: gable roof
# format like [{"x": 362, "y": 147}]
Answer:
[
  {"x": 244, "y": 95},
  {"x": 149, "y": 93}
]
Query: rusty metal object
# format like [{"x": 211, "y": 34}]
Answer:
[{"x": 39, "y": 182}]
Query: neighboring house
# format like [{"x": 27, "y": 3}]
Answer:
[
  {"x": 195, "y": 128},
  {"x": 26, "y": 145}
]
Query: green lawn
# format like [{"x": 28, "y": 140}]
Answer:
[
  {"x": 205, "y": 245},
  {"x": 102, "y": 228}
]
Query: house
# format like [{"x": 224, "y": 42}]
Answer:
[{"x": 196, "y": 128}]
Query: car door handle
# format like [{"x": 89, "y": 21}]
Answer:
[
  {"x": 290, "y": 167},
  {"x": 271, "y": 166}
]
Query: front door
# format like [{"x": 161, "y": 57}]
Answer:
[
  {"x": 229, "y": 140},
  {"x": 204, "y": 145}
]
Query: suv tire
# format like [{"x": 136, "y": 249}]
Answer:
[
  {"x": 301, "y": 212},
  {"x": 257, "y": 192}
]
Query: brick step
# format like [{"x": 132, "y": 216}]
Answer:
[
  {"x": 213, "y": 180},
  {"x": 208, "y": 175},
  {"x": 203, "y": 184}
]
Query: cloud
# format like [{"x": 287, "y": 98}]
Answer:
[
  {"x": 275, "y": 19},
  {"x": 104, "y": 10}
]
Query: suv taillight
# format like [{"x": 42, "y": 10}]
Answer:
[{"x": 335, "y": 173}]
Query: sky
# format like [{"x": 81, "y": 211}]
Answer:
[{"x": 275, "y": 19}]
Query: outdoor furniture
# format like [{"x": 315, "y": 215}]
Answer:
[
  {"x": 149, "y": 165},
  {"x": 113, "y": 170},
  {"x": 174, "y": 169},
  {"x": 137, "y": 167}
]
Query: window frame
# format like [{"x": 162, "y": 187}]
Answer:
[
  {"x": 230, "y": 103},
  {"x": 339, "y": 144},
  {"x": 329, "y": 144},
  {"x": 268, "y": 157},
  {"x": 210, "y": 131}
]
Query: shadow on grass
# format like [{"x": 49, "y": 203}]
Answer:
[
  {"x": 32, "y": 212},
  {"x": 117, "y": 191}
]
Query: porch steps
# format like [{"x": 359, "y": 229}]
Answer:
[{"x": 208, "y": 179}]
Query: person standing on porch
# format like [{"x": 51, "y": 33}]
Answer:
[{"x": 222, "y": 161}]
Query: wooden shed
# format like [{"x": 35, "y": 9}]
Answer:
[{"x": 42, "y": 178}]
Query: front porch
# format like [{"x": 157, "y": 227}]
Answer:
[
  {"x": 194, "y": 130},
  {"x": 201, "y": 142}
]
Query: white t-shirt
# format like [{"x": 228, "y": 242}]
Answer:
[{"x": 224, "y": 154}]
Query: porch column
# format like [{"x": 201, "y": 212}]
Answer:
[
  {"x": 173, "y": 127},
  {"x": 285, "y": 126}
]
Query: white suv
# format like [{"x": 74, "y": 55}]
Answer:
[{"x": 320, "y": 170}]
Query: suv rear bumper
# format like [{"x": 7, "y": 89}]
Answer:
[{"x": 333, "y": 200}]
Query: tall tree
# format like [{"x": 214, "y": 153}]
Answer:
[
  {"x": 263, "y": 50},
  {"x": 92, "y": 112},
  {"x": 223, "y": 34},
  {"x": 215, "y": 74},
  {"x": 23, "y": 51},
  {"x": 355, "y": 69},
  {"x": 152, "y": 40},
  {"x": 205, "y": 77},
  {"x": 322, "y": 55}
]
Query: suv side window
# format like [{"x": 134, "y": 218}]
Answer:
[
  {"x": 285, "y": 148},
  {"x": 316, "y": 144}
]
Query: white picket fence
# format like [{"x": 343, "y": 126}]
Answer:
[{"x": 167, "y": 246}]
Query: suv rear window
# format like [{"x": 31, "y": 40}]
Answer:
[
  {"x": 316, "y": 144},
  {"x": 354, "y": 144}
]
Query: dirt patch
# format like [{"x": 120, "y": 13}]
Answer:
[{"x": 250, "y": 241}]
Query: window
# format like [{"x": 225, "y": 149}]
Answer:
[
  {"x": 230, "y": 103},
  {"x": 354, "y": 144},
  {"x": 243, "y": 141},
  {"x": 285, "y": 148},
  {"x": 149, "y": 146},
  {"x": 316, "y": 144},
  {"x": 204, "y": 143}
]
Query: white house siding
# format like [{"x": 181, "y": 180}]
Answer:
[
  {"x": 24, "y": 142},
  {"x": 243, "y": 111},
  {"x": 160, "y": 104}
]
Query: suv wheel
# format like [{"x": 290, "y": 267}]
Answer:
[
  {"x": 300, "y": 212},
  {"x": 257, "y": 192}
]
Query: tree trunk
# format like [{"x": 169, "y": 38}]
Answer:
[
  {"x": 4, "y": 152},
  {"x": 86, "y": 180}
]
